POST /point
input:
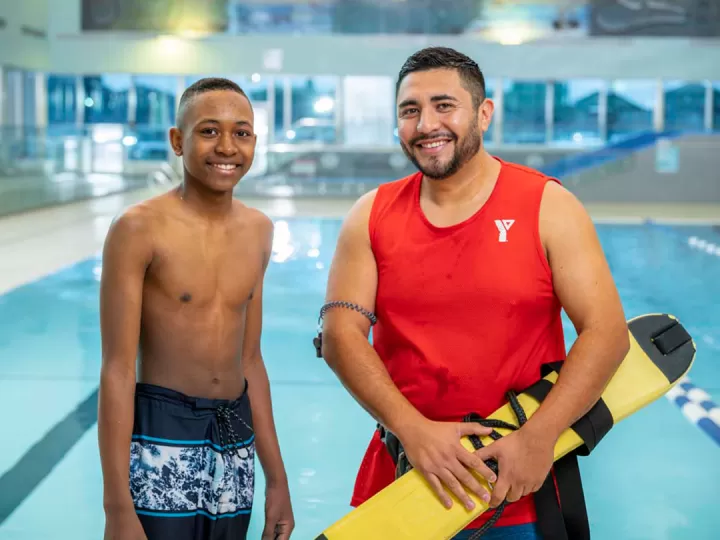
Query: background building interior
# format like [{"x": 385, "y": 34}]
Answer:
[{"x": 619, "y": 99}]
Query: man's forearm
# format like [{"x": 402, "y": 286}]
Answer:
[
  {"x": 362, "y": 372},
  {"x": 115, "y": 424},
  {"x": 590, "y": 364},
  {"x": 266, "y": 440}
]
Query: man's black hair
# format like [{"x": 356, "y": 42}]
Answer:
[
  {"x": 208, "y": 84},
  {"x": 429, "y": 58}
]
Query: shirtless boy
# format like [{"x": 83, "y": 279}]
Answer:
[{"x": 181, "y": 297}]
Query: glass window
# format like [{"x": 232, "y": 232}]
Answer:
[
  {"x": 61, "y": 99},
  {"x": 490, "y": 87},
  {"x": 106, "y": 98},
  {"x": 281, "y": 17},
  {"x": 29, "y": 99},
  {"x": 255, "y": 86},
  {"x": 313, "y": 110},
  {"x": 155, "y": 100},
  {"x": 575, "y": 111},
  {"x": 524, "y": 112},
  {"x": 630, "y": 108},
  {"x": 684, "y": 105},
  {"x": 716, "y": 106},
  {"x": 12, "y": 100},
  {"x": 154, "y": 115}
]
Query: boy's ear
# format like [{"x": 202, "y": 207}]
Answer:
[{"x": 176, "y": 141}]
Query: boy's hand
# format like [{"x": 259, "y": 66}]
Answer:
[
  {"x": 123, "y": 525},
  {"x": 279, "y": 520}
]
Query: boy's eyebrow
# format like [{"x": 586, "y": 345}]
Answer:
[{"x": 213, "y": 121}]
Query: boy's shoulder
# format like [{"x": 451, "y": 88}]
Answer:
[
  {"x": 247, "y": 215},
  {"x": 139, "y": 222},
  {"x": 136, "y": 219}
]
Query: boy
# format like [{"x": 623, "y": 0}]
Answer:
[{"x": 182, "y": 286}]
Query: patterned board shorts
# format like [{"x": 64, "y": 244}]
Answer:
[{"x": 192, "y": 465}]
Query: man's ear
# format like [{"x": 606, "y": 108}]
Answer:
[{"x": 485, "y": 114}]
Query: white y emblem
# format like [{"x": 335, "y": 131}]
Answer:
[{"x": 503, "y": 226}]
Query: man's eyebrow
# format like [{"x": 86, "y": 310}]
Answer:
[{"x": 439, "y": 97}]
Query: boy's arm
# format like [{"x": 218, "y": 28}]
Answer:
[
  {"x": 126, "y": 255},
  {"x": 266, "y": 441}
]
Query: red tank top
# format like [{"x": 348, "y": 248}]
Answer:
[{"x": 465, "y": 312}]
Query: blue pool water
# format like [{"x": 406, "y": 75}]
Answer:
[{"x": 654, "y": 477}]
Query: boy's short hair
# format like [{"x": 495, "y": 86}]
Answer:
[{"x": 207, "y": 84}]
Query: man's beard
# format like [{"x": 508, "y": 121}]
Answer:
[{"x": 464, "y": 152}]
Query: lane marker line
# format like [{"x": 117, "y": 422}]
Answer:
[{"x": 697, "y": 406}]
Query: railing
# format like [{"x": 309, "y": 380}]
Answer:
[{"x": 40, "y": 168}]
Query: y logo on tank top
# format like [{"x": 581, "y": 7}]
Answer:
[{"x": 503, "y": 226}]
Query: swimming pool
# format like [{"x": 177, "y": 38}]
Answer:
[{"x": 655, "y": 476}]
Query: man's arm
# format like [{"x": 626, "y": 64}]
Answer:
[
  {"x": 586, "y": 290},
  {"x": 126, "y": 256},
  {"x": 433, "y": 448},
  {"x": 346, "y": 349}
]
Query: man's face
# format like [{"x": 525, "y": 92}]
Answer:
[
  {"x": 217, "y": 140},
  {"x": 439, "y": 128}
]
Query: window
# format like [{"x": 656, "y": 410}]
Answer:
[
  {"x": 313, "y": 110},
  {"x": 490, "y": 86},
  {"x": 106, "y": 98},
  {"x": 524, "y": 112},
  {"x": 716, "y": 106},
  {"x": 576, "y": 111},
  {"x": 630, "y": 108},
  {"x": 684, "y": 105},
  {"x": 155, "y": 100},
  {"x": 62, "y": 99}
]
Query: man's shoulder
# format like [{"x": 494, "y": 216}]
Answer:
[
  {"x": 400, "y": 183},
  {"x": 388, "y": 191},
  {"x": 524, "y": 172}
]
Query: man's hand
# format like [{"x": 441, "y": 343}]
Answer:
[
  {"x": 524, "y": 460},
  {"x": 279, "y": 520},
  {"x": 434, "y": 449}
]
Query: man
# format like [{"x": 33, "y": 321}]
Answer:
[
  {"x": 467, "y": 265},
  {"x": 182, "y": 285}
]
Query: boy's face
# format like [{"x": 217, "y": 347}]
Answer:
[{"x": 216, "y": 139}]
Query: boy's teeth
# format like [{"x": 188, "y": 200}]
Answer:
[{"x": 224, "y": 167}]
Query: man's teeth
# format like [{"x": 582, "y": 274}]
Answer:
[
  {"x": 224, "y": 167},
  {"x": 434, "y": 144}
]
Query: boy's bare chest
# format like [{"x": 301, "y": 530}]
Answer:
[{"x": 206, "y": 273}]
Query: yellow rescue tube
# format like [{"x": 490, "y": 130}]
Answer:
[{"x": 661, "y": 353}]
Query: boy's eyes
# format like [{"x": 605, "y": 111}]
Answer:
[{"x": 214, "y": 131}]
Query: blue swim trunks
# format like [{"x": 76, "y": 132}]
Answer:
[{"x": 192, "y": 465}]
